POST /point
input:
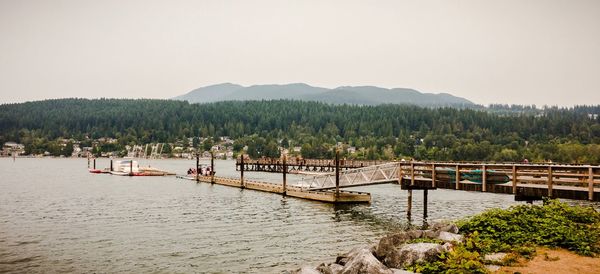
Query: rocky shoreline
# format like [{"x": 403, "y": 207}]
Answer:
[
  {"x": 395, "y": 252},
  {"x": 494, "y": 238}
]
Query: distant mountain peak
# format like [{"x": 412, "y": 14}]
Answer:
[{"x": 358, "y": 95}]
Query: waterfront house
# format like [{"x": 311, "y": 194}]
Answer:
[{"x": 11, "y": 147}]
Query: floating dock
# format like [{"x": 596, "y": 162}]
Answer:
[{"x": 328, "y": 196}]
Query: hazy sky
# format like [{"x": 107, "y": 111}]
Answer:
[{"x": 521, "y": 51}]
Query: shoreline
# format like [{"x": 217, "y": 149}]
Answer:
[{"x": 564, "y": 239}]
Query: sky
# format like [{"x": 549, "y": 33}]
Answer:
[{"x": 543, "y": 52}]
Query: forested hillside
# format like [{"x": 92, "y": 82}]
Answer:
[
  {"x": 360, "y": 95},
  {"x": 385, "y": 131}
]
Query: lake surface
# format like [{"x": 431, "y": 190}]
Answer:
[{"x": 57, "y": 217}]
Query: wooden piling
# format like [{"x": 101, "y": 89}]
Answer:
[
  {"x": 484, "y": 179},
  {"x": 591, "y": 184},
  {"x": 409, "y": 206},
  {"x": 412, "y": 173},
  {"x": 425, "y": 208},
  {"x": 197, "y": 167},
  {"x": 111, "y": 165},
  {"x": 284, "y": 174},
  {"x": 457, "y": 179},
  {"x": 550, "y": 181},
  {"x": 514, "y": 179},
  {"x": 212, "y": 167},
  {"x": 337, "y": 173},
  {"x": 94, "y": 163},
  {"x": 433, "y": 175},
  {"x": 242, "y": 171},
  {"x": 131, "y": 167}
]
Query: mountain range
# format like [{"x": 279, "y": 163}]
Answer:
[{"x": 356, "y": 95}]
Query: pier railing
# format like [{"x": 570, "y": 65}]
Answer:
[
  {"x": 300, "y": 164},
  {"x": 580, "y": 182}
]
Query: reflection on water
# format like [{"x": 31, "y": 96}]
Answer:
[{"x": 56, "y": 217}]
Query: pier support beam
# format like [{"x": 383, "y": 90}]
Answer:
[
  {"x": 197, "y": 167},
  {"x": 212, "y": 167},
  {"x": 591, "y": 184},
  {"x": 457, "y": 179},
  {"x": 409, "y": 206},
  {"x": 337, "y": 173},
  {"x": 242, "y": 171},
  {"x": 412, "y": 173},
  {"x": 484, "y": 179},
  {"x": 550, "y": 181},
  {"x": 433, "y": 175},
  {"x": 284, "y": 175},
  {"x": 514, "y": 179},
  {"x": 425, "y": 192}
]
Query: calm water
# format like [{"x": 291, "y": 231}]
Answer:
[{"x": 56, "y": 217}]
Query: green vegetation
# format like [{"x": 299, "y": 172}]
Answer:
[
  {"x": 500, "y": 133},
  {"x": 554, "y": 224},
  {"x": 459, "y": 260},
  {"x": 517, "y": 231}
]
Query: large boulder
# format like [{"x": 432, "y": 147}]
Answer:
[
  {"x": 361, "y": 260},
  {"x": 390, "y": 242},
  {"x": 413, "y": 253},
  {"x": 450, "y": 237}
]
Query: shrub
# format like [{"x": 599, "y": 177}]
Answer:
[{"x": 554, "y": 224}]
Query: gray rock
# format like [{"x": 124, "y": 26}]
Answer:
[
  {"x": 450, "y": 237},
  {"x": 495, "y": 258},
  {"x": 447, "y": 227},
  {"x": 393, "y": 241},
  {"x": 336, "y": 268},
  {"x": 373, "y": 248},
  {"x": 330, "y": 268},
  {"x": 413, "y": 253},
  {"x": 414, "y": 234},
  {"x": 306, "y": 270},
  {"x": 341, "y": 260},
  {"x": 361, "y": 260},
  {"x": 401, "y": 271},
  {"x": 432, "y": 234}
]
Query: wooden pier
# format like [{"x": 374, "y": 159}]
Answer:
[
  {"x": 330, "y": 196},
  {"x": 525, "y": 181}
]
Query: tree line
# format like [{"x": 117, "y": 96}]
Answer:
[{"x": 569, "y": 135}]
